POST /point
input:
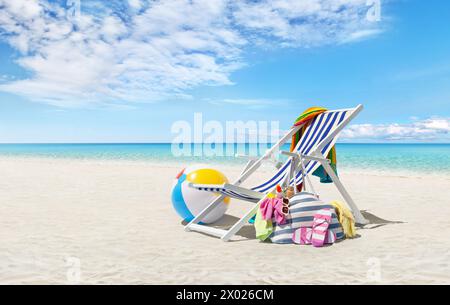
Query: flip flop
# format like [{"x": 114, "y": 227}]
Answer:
[
  {"x": 330, "y": 237},
  {"x": 302, "y": 236},
  {"x": 321, "y": 222}
]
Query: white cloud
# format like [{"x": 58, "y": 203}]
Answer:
[
  {"x": 305, "y": 23},
  {"x": 136, "y": 4},
  {"x": 142, "y": 51},
  {"x": 250, "y": 103},
  {"x": 361, "y": 35},
  {"x": 434, "y": 128}
]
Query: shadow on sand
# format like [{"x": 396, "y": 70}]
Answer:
[{"x": 376, "y": 222}]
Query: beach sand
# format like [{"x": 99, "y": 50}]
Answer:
[{"x": 87, "y": 221}]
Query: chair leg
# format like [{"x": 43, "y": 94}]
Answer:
[
  {"x": 359, "y": 218},
  {"x": 238, "y": 225}
]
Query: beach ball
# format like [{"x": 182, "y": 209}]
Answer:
[{"x": 189, "y": 202}]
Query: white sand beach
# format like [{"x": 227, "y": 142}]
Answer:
[{"x": 116, "y": 220}]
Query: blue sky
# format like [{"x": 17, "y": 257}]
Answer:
[{"x": 127, "y": 72}]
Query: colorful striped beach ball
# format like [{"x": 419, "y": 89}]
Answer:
[{"x": 188, "y": 202}]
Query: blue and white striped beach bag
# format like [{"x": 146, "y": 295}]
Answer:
[{"x": 303, "y": 206}]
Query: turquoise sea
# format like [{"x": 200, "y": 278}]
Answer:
[{"x": 426, "y": 158}]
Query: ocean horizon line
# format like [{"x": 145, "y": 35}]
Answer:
[
  {"x": 419, "y": 157},
  {"x": 202, "y": 143}
]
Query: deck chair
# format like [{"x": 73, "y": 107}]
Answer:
[{"x": 309, "y": 153}]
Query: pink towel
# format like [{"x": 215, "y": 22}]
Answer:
[
  {"x": 280, "y": 217},
  {"x": 321, "y": 222},
  {"x": 266, "y": 207},
  {"x": 273, "y": 207}
]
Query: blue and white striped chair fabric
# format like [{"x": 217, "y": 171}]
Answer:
[{"x": 317, "y": 131}]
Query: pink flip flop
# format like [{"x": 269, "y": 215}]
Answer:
[
  {"x": 330, "y": 237},
  {"x": 302, "y": 236},
  {"x": 321, "y": 222}
]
